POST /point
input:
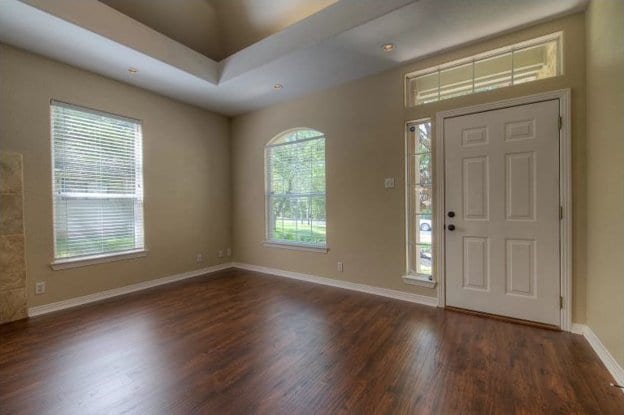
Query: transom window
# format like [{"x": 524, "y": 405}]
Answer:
[
  {"x": 98, "y": 183},
  {"x": 295, "y": 188},
  {"x": 419, "y": 202},
  {"x": 515, "y": 64}
]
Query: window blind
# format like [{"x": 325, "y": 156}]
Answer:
[
  {"x": 295, "y": 177},
  {"x": 97, "y": 182}
]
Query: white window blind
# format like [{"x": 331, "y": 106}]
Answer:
[
  {"x": 98, "y": 182},
  {"x": 295, "y": 188}
]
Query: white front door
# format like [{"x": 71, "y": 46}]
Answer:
[{"x": 502, "y": 206}]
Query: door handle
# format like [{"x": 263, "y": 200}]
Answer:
[
  {"x": 451, "y": 228},
  {"x": 451, "y": 214}
]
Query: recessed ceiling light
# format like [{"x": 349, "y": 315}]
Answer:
[
  {"x": 388, "y": 47},
  {"x": 133, "y": 70},
  {"x": 278, "y": 86}
]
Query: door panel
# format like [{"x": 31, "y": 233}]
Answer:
[
  {"x": 476, "y": 263},
  {"x": 502, "y": 182},
  {"x": 520, "y": 186},
  {"x": 475, "y": 188},
  {"x": 520, "y": 272}
]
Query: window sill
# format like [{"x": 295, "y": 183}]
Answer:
[
  {"x": 60, "y": 264},
  {"x": 421, "y": 280},
  {"x": 296, "y": 247}
]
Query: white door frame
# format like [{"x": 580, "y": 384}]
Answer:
[{"x": 565, "y": 191}]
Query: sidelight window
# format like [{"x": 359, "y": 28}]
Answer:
[{"x": 419, "y": 185}]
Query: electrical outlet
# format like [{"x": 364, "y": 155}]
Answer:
[
  {"x": 389, "y": 183},
  {"x": 220, "y": 253},
  {"x": 199, "y": 257},
  {"x": 40, "y": 287},
  {"x": 340, "y": 266},
  {"x": 228, "y": 252}
]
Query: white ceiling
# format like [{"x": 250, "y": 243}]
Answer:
[
  {"x": 339, "y": 43},
  {"x": 193, "y": 23},
  {"x": 245, "y": 22},
  {"x": 218, "y": 28}
]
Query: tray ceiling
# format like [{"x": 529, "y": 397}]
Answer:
[
  {"x": 308, "y": 50},
  {"x": 218, "y": 28}
]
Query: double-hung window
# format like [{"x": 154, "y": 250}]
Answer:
[
  {"x": 295, "y": 189},
  {"x": 97, "y": 184},
  {"x": 419, "y": 190}
]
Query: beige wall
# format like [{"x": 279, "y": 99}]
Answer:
[
  {"x": 364, "y": 125},
  {"x": 605, "y": 173},
  {"x": 186, "y": 173},
  {"x": 189, "y": 179}
]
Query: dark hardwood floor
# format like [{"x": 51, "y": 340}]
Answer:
[{"x": 245, "y": 343}]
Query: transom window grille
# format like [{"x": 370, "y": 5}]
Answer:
[
  {"x": 515, "y": 64},
  {"x": 295, "y": 188},
  {"x": 98, "y": 182},
  {"x": 419, "y": 203}
]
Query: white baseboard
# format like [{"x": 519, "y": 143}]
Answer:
[
  {"x": 607, "y": 359},
  {"x": 384, "y": 292},
  {"x": 73, "y": 302}
]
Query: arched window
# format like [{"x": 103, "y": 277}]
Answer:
[{"x": 295, "y": 188}]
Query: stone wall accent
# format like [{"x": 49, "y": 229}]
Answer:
[{"x": 12, "y": 250}]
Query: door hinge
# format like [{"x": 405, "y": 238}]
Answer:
[
  {"x": 561, "y": 303},
  {"x": 560, "y": 122},
  {"x": 560, "y": 212}
]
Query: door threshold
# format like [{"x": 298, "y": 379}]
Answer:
[{"x": 504, "y": 318}]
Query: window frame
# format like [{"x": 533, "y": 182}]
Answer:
[
  {"x": 286, "y": 244},
  {"x": 511, "y": 49},
  {"x": 425, "y": 280},
  {"x": 60, "y": 263}
]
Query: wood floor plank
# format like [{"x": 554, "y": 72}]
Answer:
[{"x": 240, "y": 342}]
